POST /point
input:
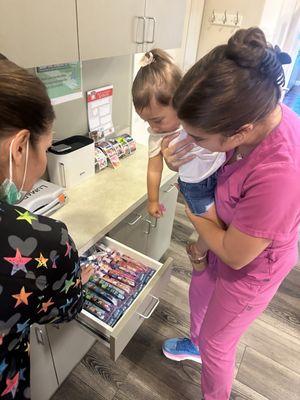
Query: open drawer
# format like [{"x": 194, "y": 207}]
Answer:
[{"x": 142, "y": 308}]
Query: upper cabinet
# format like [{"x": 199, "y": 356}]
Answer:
[
  {"x": 39, "y": 32},
  {"x": 164, "y": 23},
  {"x": 116, "y": 27},
  {"x": 109, "y": 28}
]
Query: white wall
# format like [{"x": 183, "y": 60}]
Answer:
[
  {"x": 213, "y": 35},
  {"x": 71, "y": 117}
]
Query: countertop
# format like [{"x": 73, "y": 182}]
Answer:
[{"x": 98, "y": 204}]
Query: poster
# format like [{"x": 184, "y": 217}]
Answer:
[
  {"x": 63, "y": 81},
  {"x": 99, "y": 103}
]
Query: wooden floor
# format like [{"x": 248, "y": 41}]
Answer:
[{"x": 267, "y": 365}]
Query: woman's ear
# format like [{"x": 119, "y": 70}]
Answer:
[
  {"x": 241, "y": 135},
  {"x": 19, "y": 146}
]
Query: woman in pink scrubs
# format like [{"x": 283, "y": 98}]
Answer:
[{"x": 229, "y": 101}]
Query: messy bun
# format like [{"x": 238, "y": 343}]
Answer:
[
  {"x": 233, "y": 85},
  {"x": 247, "y": 47}
]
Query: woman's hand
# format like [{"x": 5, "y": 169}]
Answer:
[
  {"x": 86, "y": 272},
  {"x": 176, "y": 154}
]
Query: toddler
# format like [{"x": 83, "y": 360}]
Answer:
[{"x": 152, "y": 91}]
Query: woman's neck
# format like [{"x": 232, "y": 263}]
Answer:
[{"x": 261, "y": 131}]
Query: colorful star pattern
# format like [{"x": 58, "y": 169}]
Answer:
[
  {"x": 42, "y": 261},
  {"x": 78, "y": 281},
  {"x": 46, "y": 305},
  {"x": 54, "y": 259},
  {"x": 26, "y": 216},
  {"x": 76, "y": 268},
  {"x": 68, "y": 284},
  {"x": 68, "y": 251},
  {"x": 3, "y": 367},
  {"x": 23, "y": 327},
  {"x": 38, "y": 261},
  {"x": 11, "y": 386},
  {"x": 18, "y": 262},
  {"x": 22, "y": 297},
  {"x": 65, "y": 306}
]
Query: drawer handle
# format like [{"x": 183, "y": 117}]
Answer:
[
  {"x": 143, "y": 31},
  {"x": 139, "y": 216},
  {"x": 147, "y": 232},
  {"x": 152, "y": 225},
  {"x": 39, "y": 336},
  {"x": 171, "y": 187},
  {"x": 152, "y": 310},
  {"x": 153, "y": 31}
]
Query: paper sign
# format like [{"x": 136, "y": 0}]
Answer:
[
  {"x": 99, "y": 102},
  {"x": 63, "y": 81}
]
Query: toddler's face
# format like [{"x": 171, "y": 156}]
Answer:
[{"x": 160, "y": 118}]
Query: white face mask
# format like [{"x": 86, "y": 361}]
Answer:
[{"x": 8, "y": 190}]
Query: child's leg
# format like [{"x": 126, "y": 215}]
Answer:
[
  {"x": 197, "y": 252},
  {"x": 198, "y": 249}
]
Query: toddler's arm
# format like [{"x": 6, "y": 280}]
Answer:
[{"x": 155, "y": 167}]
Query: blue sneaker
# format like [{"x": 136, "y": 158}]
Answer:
[{"x": 179, "y": 349}]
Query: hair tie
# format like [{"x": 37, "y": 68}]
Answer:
[
  {"x": 272, "y": 63},
  {"x": 147, "y": 59}
]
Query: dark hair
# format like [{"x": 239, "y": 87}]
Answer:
[
  {"x": 158, "y": 77},
  {"x": 230, "y": 86},
  {"x": 24, "y": 102}
]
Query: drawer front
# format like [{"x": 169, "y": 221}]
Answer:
[{"x": 142, "y": 308}]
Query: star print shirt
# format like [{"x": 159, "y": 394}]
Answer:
[{"x": 39, "y": 283}]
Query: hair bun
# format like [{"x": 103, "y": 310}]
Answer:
[{"x": 247, "y": 47}]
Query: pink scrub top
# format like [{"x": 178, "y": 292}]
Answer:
[{"x": 260, "y": 196}]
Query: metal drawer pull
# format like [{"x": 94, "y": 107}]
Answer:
[
  {"x": 171, "y": 187},
  {"x": 137, "y": 28},
  {"x": 152, "y": 310},
  {"x": 152, "y": 225},
  {"x": 147, "y": 232},
  {"x": 153, "y": 32},
  {"x": 39, "y": 336},
  {"x": 139, "y": 216}
]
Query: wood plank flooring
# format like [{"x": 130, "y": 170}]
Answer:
[{"x": 268, "y": 359}]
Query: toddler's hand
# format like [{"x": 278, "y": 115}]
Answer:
[{"x": 154, "y": 209}]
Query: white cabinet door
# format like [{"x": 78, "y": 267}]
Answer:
[
  {"x": 38, "y": 32},
  {"x": 69, "y": 343},
  {"x": 133, "y": 230},
  {"x": 42, "y": 372},
  {"x": 159, "y": 238},
  {"x": 109, "y": 28},
  {"x": 165, "y": 21}
]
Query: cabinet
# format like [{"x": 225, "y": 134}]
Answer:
[
  {"x": 42, "y": 371},
  {"x": 34, "y": 33},
  {"x": 160, "y": 230},
  {"x": 111, "y": 27},
  {"x": 68, "y": 343},
  {"x": 165, "y": 21},
  {"x": 40, "y": 32},
  {"x": 145, "y": 234}
]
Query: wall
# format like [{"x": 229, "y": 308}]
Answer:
[
  {"x": 212, "y": 35},
  {"x": 71, "y": 117}
]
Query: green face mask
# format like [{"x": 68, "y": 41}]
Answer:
[{"x": 8, "y": 190}]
